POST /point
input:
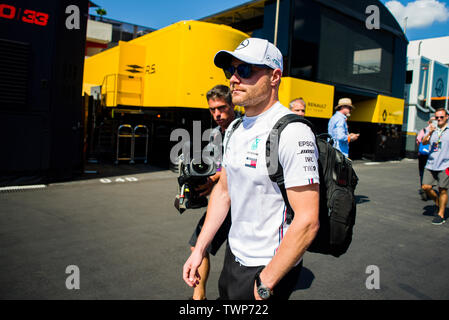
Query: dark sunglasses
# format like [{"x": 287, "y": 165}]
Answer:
[
  {"x": 244, "y": 70},
  {"x": 442, "y": 117}
]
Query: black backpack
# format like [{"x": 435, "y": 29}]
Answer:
[{"x": 337, "y": 184}]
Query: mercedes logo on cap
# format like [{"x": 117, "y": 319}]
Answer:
[{"x": 243, "y": 44}]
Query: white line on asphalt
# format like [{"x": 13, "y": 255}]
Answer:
[
  {"x": 119, "y": 179},
  {"x": 371, "y": 163},
  {"x": 17, "y": 188}
]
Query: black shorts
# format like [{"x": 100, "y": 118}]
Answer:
[
  {"x": 220, "y": 237},
  {"x": 237, "y": 281}
]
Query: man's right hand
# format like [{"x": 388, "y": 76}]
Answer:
[
  {"x": 190, "y": 270},
  {"x": 354, "y": 136},
  {"x": 217, "y": 210}
]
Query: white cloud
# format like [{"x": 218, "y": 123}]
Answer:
[{"x": 419, "y": 13}]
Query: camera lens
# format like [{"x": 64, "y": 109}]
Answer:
[{"x": 200, "y": 168}]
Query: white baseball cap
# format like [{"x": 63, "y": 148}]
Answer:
[{"x": 254, "y": 51}]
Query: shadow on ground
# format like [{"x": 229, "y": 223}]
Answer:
[
  {"x": 431, "y": 210},
  {"x": 359, "y": 199},
  {"x": 305, "y": 279},
  {"x": 108, "y": 170}
]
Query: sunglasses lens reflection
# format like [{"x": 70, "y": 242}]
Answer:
[{"x": 243, "y": 70}]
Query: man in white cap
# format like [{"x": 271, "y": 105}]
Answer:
[
  {"x": 338, "y": 127},
  {"x": 264, "y": 253}
]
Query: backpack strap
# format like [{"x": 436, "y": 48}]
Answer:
[
  {"x": 325, "y": 136},
  {"x": 234, "y": 127},
  {"x": 272, "y": 155}
]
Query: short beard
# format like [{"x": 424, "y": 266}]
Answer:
[{"x": 255, "y": 97}]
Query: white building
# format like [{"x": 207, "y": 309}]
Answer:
[
  {"x": 426, "y": 87},
  {"x": 435, "y": 49},
  {"x": 99, "y": 34}
]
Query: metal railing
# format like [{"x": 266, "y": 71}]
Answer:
[
  {"x": 139, "y": 133},
  {"x": 125, "y": 131}
]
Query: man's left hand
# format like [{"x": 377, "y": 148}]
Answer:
[{"x": 256, "y": 294}]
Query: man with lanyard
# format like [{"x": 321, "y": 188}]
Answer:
[
  {"x": 222, "y": 110},
  {"x": 264, "y": 253},
  {"x": 436, "y": 170},
  {"x": 338, "y": 127}
]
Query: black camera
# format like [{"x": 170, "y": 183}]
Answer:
[{"x": 192, "y": 175}]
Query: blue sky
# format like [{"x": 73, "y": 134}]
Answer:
[{"x": 425, "y": 18}]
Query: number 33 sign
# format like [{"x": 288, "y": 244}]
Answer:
[
  {"x": 27, "y": 15},
  {"x": 39, "y": 18}
]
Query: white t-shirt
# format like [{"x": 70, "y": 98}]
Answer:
[{"x": 258, "y": 210}]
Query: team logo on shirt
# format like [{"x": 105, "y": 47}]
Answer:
[
  {"x": 251, "y": 155},
  {"x": 255, "y": 144},
  {"x": 306, "y": 152},
  {"x": 306, "y": 147},
  {"x": 306, "y": 144},
  {"x": 251, "y": 162}
]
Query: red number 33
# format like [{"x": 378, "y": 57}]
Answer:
[
  {"x": 29, "y": 16},
  {"x": 39, "y": 18}
]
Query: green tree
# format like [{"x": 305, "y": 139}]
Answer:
[{"x": 101, "y": 12}]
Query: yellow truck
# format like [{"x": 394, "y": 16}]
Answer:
[
  {"x": 160, "y": 81},
  {"x": 173, "y": 67},
  {"x": 170, "y": 67}
]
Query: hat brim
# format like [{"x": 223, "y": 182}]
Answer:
[
  {"x": 223, "y": 58},
  {"x": 344, "y": 105}
]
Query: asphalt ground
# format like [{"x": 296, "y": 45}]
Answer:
[{"x": 121, "y": 231}]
